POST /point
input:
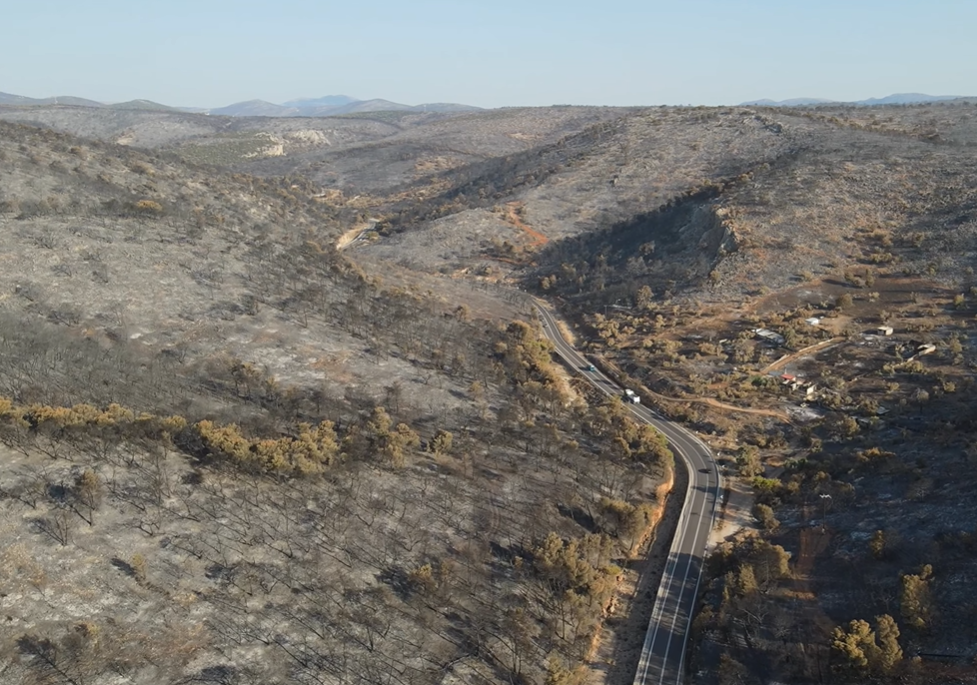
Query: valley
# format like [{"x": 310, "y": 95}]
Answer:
[{"x": 278, "y": 405}]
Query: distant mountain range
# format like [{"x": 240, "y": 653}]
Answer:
[
  {"x": 334, "y": 105},
  {"x": 896, "y": 99},
  {"x": 8, "y": 99},
  {"x": 329, "y": 105}
]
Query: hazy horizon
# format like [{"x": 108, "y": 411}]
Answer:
[
  {"x": 292, "y": 101},
  {"x": 508, "y": 54}
]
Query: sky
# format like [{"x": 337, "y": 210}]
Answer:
[{"x": 209, "y": 53}]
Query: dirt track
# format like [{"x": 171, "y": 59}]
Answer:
[
  {"x": 512, "y": 216},
  {"x": 716, "y": 404},
  {"x": 824, "y": 344}
]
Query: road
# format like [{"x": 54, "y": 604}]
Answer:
[{"x": 663, "y": 655}]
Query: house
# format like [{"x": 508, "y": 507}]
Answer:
[
  {"x": 884, "y": 330},
  {"x": 807, "y": 387},
  {"x": 770, "y": 336}
]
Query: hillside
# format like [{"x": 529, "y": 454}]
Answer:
[
  {"x": 671, "y": 236},
  {"x": 20, "y": 100},
  {"x": 894, "y": 99},
  {"x": 255, "y": 108},
  {"x": 715, "y": 205},
  {"x": 142, "y": 104},
  {"x": 331, "y": 106},
  {"x": 231, "y": 455},
  {"x": 199, "y": 137},
  {"x": 740, "y": 266},
  {"x": 355, "y": 153},
  {"x": 812, "y": 198}
]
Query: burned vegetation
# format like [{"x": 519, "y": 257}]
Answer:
[
  {"x": 236, "y": 453},
  {"x": 236, "y": 457}
]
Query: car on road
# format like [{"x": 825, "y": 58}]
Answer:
[{"x": 592, "y": 368}]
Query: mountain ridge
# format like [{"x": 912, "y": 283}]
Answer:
[
  {"x": 324, "y": 101},
  {"x": 22, "y": 100},
  {"x": 327, "y": 105},
  {"x": 332, "y": 105},
  {"x": 894, "y": 99},
  {"x": 335, "y": 105}
]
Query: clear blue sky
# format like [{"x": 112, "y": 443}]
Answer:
[{"x": 489, "y": 53}]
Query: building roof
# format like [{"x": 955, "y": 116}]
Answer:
[{"x": 772, "y": 336}]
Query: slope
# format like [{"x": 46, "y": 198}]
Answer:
[{"x": 230, "y": 454}]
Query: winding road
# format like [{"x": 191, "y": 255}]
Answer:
[{"x": 663, "y": 655}]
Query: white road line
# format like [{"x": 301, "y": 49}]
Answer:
[
  {"x": 692, "y": 451},
  {"x": 685, "y": 580}
]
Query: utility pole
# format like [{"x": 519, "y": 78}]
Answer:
[{"x": 824, "y": 508}]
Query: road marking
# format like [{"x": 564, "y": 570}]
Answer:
[{"x": 692, "y": 450}]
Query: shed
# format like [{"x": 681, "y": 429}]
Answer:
[{"x": 770, "y": 336}]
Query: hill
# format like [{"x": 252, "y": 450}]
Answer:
[
  {"x": 331, "y": 105},
  {"x": 907, "y": 99},
  {"x": 324, "y": 101},
  {"x": 230, "y": 452},
  {"x": 143, "y": 104},
  {"x": 794, "y": 102},
  {"x": 20, "y": 100},
  {"x": 735, "y": 162},
  {"x": 895, "y": 99},
  {"x": 352, "y": 153},
  {"x": 328, "y": 105},
  {"x": 255, "y": 108},
  {"x": 668, "y": 237}
]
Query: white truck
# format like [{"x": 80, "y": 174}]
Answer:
[{"x": 631, "y": 396}]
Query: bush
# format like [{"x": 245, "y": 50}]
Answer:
[
  {"x": 139, "y": 567},
  {"x": 147, "y": 208},
  {"x": 765, "y": 517},
  {"x": 441, "y": 442},
  {"x": 748, "y": 461}
]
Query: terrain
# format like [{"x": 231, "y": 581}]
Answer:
[
  {"x": 223, "y": 441},
  {"x": 329, "y": 105},
  {"x": 741, "y": 267},
  {"x": 894, "y": 99},
  {"x": 353, "y": 154}
]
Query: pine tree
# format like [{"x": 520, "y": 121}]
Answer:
[
  {"x": 915, "y": 600},
  {"x": 88, "y": 489},
  {"x": 877, "y": 544},
  {"x": 856, "y": 645},
  {"x": 890, "y": 653},
  {"x": 746, "y": 583}
]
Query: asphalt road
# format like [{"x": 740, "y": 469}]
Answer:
[{"x": 663, "y": 654}]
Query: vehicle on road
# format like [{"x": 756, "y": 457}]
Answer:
[
  {"x": 592, "y": 368},
  {"x": 662, "y": 659}
]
